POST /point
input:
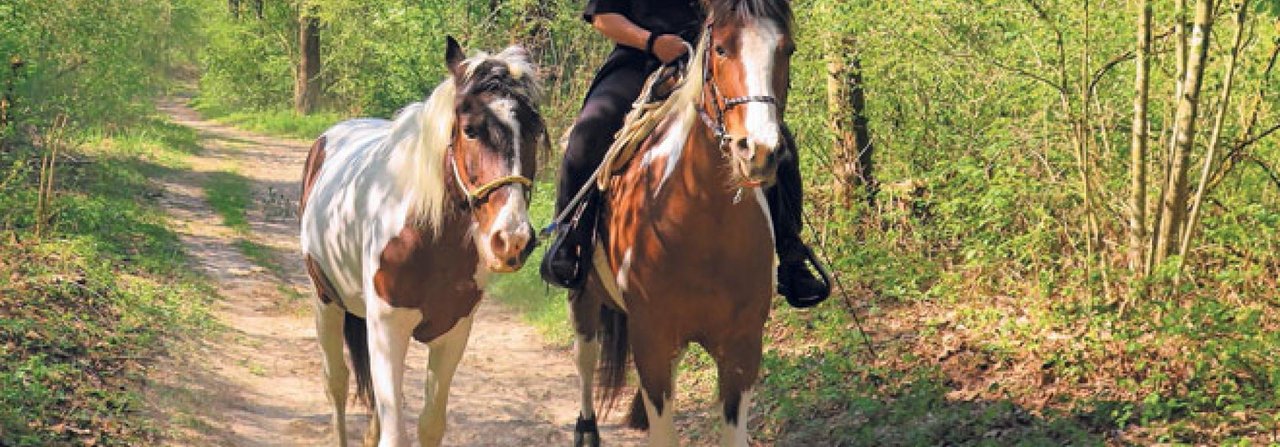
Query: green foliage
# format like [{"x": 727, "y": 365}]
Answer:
[
  {"x": 85, "y": 309},
  {"x": 94, "y": 61}
]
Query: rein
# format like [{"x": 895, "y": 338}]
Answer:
[
  {"x": 481, "y": 193},
  {"x": 717, "y": 125}
]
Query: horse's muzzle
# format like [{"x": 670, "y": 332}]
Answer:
[
  {"x": 509, "y": 249},
  {"x": 756, "y": 164}
]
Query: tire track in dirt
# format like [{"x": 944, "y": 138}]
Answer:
[{"x": 258, "y": 382}]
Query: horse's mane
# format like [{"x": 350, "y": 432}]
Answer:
[{"x": 422, "y": 131}]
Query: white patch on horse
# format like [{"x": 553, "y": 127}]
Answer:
[
  {"x": 759, "y": 43},
  {"x": 670, "y": 147},
  {"x": 764, "y": 208},
  {"x": 624, "y": 271}
]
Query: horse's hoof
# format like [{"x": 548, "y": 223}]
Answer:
[{"x": 585, "y": 433}]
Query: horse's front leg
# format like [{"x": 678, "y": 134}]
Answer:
[
  {"x": 585, "y": 310},
  {"x": 389, "y": 331},
  {"x": 442, "y": 362}
]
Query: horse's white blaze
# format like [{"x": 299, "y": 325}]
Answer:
[
  {"x": 758, "y": 45},
  {"x": 735, "y": 435},
  {"x": 513, "y": 218}
]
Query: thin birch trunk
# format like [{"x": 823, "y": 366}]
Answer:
[
  {"x": 1174, "y": 201},
  {"x": 1211, "y": 152},
  {"x": 1138, "y": 150}
]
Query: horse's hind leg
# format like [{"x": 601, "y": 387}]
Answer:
[
  {"x": 737, "y": 366},
  {"x": 442, "y": 362},
  {"x": 585, "y": 309},
  {"x": 329, "y": 331}
]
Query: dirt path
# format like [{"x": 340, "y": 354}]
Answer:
[{"x": 258, "y": 382}]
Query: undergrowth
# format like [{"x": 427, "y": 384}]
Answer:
[{"x": 85, "y": 308}]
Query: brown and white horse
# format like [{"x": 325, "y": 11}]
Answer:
[
  {"x": 685, "y": 253},
  {"x": 401, "y": 222}
]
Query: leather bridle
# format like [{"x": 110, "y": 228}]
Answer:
[
  {"x": 717, "y": 124},
  {"x": 480, "y": 194}
]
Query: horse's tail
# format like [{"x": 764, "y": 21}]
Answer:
[
  {"x": 355, "y": 331},
  {"x": 637, "y": 418},
  {"x": 614, "y": 354}
]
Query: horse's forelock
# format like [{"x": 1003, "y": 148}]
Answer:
[{"x": 779, "y": 11}]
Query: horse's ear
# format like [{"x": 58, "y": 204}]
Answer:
[{"x": 453, "y": 56}]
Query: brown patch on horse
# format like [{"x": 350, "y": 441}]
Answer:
[
  {"x": 324, "y": 288},
  {"x": 315, "y": 159},
  {"x": 433, "y": 274}
]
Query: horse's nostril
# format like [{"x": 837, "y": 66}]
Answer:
[
  {"x": 499, "y": 242},
  {"x": 511, "y": 262}
]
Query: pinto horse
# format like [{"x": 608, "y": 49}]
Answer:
[
  {"x": 685, "y": 250},
  {"x": 401, "y": 222}
]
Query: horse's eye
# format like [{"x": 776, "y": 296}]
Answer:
[
  {"x": 720, "y": 50},
  {"x": 470, "y": 131}
]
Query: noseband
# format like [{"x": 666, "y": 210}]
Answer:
[
  {"x": 480, "y": 194},
  {"x": 717, "y": 125}
]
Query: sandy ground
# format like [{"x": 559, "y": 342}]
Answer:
[{"x": 258, "y": 382}]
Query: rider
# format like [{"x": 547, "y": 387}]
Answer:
[{"x": 649, "y": 33}]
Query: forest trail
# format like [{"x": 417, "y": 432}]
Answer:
[{"x": 257, "y": 382}]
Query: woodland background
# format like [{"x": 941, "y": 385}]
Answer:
[{"x": 1058, "y": 222}]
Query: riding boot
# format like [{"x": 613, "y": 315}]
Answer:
[
  {"x": 568, "y": 258},
  {"x": 796, "y": 281}
]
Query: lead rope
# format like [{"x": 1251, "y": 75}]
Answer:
[{"x": 832, "y": 277}]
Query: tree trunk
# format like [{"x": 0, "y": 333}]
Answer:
[
  {"x": 1174, "y": 200},
  {"x": 846, "y": 117},
  {"x": 1180, "y": 61},
  {"x": 1211, "y": 152},
  {"x": 234, "y": 7},
  {"x": 306, "y": 91},
  {"x": 257, "y": 8},
  {"x": 1138, "y": 149}
]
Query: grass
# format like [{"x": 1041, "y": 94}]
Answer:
[
  {"x": 229, "y": 194},
  {"x": 277, "y": 122},
  {"x": 86, "y": 307}
]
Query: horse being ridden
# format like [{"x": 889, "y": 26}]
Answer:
[
  {"x": 403, "y": 219},
  {"x": 686, "y": 251}
]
